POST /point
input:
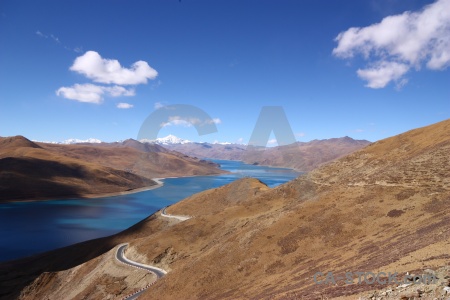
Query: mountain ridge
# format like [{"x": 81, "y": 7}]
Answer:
[
  {"x": 245, "y": 240},
  {"x": 301, "y": 156},
  {"x": 36, "y": 171}
]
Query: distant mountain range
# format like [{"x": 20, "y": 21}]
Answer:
[
  {"x": 30, "y": 170},
  {"x": 168, "y": 140},
  {"x": 384, "y": 207},
  {"x": 302, "y": 156},
  {"x": 34, "y": 170},
  {"x": 73, "y": 141}
]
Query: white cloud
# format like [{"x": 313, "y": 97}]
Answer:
[
  {"x": 188, "y": 122},
  {"x": 82, "y": 92},
  {"x": 176, "y": 123},
  {"x": 300, "y": 134},
  {"x": 177, "y": 120},
  {"x": 107, "y": 71},
  {"x": 399, "y": 43},
  {"x": 213, "y": 121},
  {"x": 124, "y": 105},
  {"x": 379, "y": 75},
  {"x": 55, "y": 39},
  {"x": 46, "y": 36},
  {"x": 272, "y": 141},
  {"x": 99, "y": 69},
  {"x": 41, "y": 34},
  {"x": 91, "y": 93},
  {"x": 58, "y": 41},
  {"x": 118, "y": 91},
  {"x": 158, "y": 105}
]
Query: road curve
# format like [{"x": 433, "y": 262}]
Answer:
[
  {"x": 181, "y": 218},
  {"x": 120, "y": 256}
]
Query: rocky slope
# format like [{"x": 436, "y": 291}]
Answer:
[{"x": 384, "y": 208}]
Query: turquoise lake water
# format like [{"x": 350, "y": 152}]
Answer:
[{"x": 31, "y": 227}]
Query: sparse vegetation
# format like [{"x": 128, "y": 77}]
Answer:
[{"x": 248, "y": 241}]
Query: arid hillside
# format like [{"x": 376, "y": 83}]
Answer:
[
  {"x": 302, "y": 156},
  {"x": 147, "y": 160},
  {"x": 207, "y": 150},
  {"x": 30, "y": 171},
  {"x": 384, "y": 208},
  {"x": 305, "y": 156}
]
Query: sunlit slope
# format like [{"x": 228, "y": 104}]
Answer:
[
  {"x": 383, "y": 208},
  {"x": 30, "y": 171}
]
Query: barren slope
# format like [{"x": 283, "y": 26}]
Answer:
[
  {"x": 143, "y": 159},
  {"x": 383, "y": 208},
  {"x": 207, "y": 150},
  {"x": 28, "y": 171},
  {"x": 41, "y": 171}
]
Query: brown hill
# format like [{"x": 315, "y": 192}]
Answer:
[
  {"x": 151, "y": 161},
  {"x": 207, "y": 150},
  {"x": 13, "y": 142},
  {"x": 384, "y": 208},
  {"x": 305, "y": 156},
  {"x": 302, "y": 156},
  {"x": 131, "y": 143},
  {"x": 30, "y": 171}
]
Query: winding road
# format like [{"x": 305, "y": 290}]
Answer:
[
  {"x": 120, "y": 256},
  {"x": 181, "y": 218}
]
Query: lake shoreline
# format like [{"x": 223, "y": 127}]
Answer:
[
  {"x": 39, "y": 226},
  {"x": 93, "y": 196},
  {"x": 158, "y": 184}
]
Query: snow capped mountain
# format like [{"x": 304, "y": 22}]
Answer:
[
  {"x": 77, "y": 141},
  {"x": 74, "y": 141},
  {"x": 221, "y": 143},
  {"x": 168, "y": 140},
  {"x": 173, "y": 140}
]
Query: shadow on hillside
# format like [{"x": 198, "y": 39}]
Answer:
[{"x": 30, "y": 178}]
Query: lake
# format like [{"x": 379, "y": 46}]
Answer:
[{"x": 28, "y": 228}]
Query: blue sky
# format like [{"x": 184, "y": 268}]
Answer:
[{"x": 67, "y": 66}]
